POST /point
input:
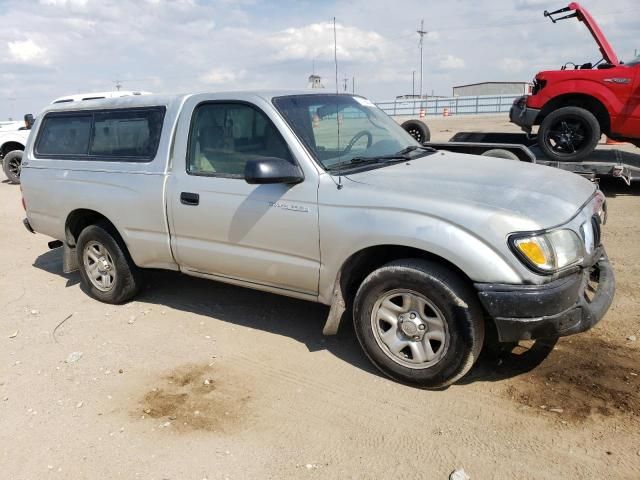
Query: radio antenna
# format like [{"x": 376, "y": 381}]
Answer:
[{"x": 335, "y": 61}]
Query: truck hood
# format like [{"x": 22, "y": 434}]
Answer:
[
  {"x": 604, "y": 46},
  {"x": 472, "y": 190}
]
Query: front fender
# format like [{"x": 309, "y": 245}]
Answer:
[
  {"x": 363, "y": 228},
  {"x": 587, "y": 87}
]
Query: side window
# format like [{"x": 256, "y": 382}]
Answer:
[
  {"x": 126, "y": 133},
  {"x": 120, "y": 135},
  {"x": 225, "y": 135},
  {"x": 65, "y": 135}
]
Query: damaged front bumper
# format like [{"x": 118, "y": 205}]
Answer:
[
  {"x": 569, "y": 305},
  {"x": 522, "y": 115}
]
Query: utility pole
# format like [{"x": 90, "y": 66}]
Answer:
[
  {"x": 353, "y": 85},
  {"x": 345, "y": 82},
  {"x": 413, "y": 83},
  {"x": 422, "y": 33}
]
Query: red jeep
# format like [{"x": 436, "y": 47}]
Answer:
[{"x": 575, "y": 105}]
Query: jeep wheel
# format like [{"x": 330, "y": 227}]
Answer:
[
  {"x": 569, "y": 134},
  {"x": 12, "y": 164},
  {"x": 108, "y": 273},
  {"x": 418, "y": 130},
  {"x": 419, "y": 323}
]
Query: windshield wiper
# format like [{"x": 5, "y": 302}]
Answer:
[
  {"x": 400, "y": 156},
  {"x": 413, "y": 148}
]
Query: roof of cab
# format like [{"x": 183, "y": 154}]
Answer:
[
  {"x": 155, "y": 100},
  {"x": 98, "y": 95}
]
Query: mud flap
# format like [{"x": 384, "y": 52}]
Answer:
[
  {"x": 69, "y": 259},
  {"x": 338, "y": 308}
]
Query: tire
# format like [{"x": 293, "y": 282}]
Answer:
[
  {"x": 569, "y": 134},
  {"x": 454, "y": 325},
  {"x": 114, "y": 262},
  {"x": 418, "y": 130},
  {"x": 11, "y": 165},
  {"x": 500, "y": 153}
]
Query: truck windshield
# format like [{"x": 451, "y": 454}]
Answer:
[{"x": 344, "y": 129}]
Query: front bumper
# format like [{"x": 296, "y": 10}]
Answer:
[
  {"x": 522, "y": 115},
  {"x": 569, "y": 305}
]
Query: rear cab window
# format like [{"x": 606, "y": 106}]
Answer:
[{"x": 125, "y": 135}]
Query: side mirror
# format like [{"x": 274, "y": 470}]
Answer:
[{"x": 272, "y": 170}]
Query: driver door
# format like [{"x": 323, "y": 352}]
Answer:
[{"x": 226, "y": 228}]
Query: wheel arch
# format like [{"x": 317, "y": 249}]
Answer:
[
  {"x": 361, "y": 263},
  {"x": 581, "y": 100},
  {"x": 10, "y": 146},
  {"x": 79, "y": 219}
]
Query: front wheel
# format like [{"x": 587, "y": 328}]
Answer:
[
  {"x": 108, "y": 273},
  {"x": 419, "y": 322},
  {"x": 569, "y": 134},
  {"x": 12, "y": 165}
]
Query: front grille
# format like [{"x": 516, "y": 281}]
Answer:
[{"x": 597, "y": 233}]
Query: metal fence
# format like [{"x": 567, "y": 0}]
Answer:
[{"x": 455, "y": 105}]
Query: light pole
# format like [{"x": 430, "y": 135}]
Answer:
[
  {"x": 422, "y": 33},
  {"x": 413, "y": 83}
]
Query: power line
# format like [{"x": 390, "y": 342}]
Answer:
[{"x": 504, "y": 22}]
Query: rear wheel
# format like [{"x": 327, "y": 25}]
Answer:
[
  {"x": 569, "y": 134},
  {"x": 12, "y": 165},
  {"x": 419, "y": 322},
  {"x": 418, "y": 130},
  {"x": 108, "y": 273}
]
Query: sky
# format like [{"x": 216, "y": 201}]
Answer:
[{"x": 53, "y": 48}]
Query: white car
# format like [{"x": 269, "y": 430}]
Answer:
[{"x": 10, "y": 126}]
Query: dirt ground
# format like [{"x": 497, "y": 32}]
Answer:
[{"x": 198, "y": 380}]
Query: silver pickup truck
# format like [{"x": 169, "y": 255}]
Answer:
[{"x": 321, "y": 197}]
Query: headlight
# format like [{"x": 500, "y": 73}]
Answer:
[{"x": 550, "y": 251}]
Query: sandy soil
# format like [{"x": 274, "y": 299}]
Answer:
[{"x": 198, "y": 380}]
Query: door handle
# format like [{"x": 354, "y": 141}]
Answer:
[{"x": 188, "y": 198}]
